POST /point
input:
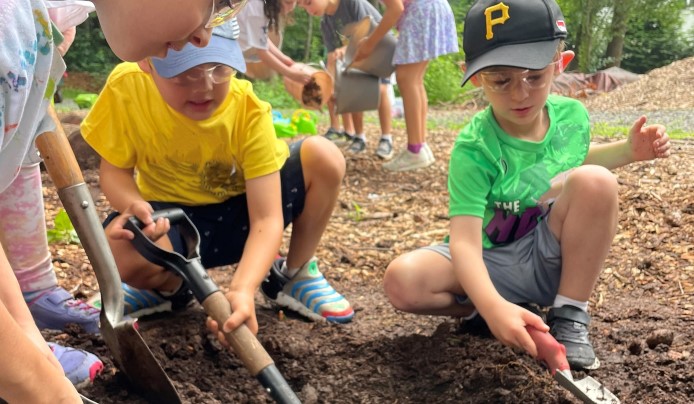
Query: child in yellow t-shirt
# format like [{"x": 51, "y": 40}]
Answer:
[{"x": 199, "y": 139}]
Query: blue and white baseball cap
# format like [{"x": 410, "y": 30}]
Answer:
[{"x": 223, "y": 48}]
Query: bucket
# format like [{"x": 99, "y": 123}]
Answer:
[
  {"x": 316, "y": 93},
  {"x": 355, "y": 90},
  {"x": 380, "y": 61}
]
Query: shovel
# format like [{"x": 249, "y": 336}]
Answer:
[
  {"x": 553, "y": 355},
  {"x": 129, "y": 350},
  {"x": 216, "y": 305}
]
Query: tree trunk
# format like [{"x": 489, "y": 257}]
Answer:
[
  {"x": 622, "y": 10},
  {"x": 585, "y": 34},
  {"x": 309, "y": 35}
]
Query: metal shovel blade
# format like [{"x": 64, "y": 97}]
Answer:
[
  {"x": 553, "y": 355},
  {"x": 587, "y": 389},
  {"x": 129, "y": 350}
]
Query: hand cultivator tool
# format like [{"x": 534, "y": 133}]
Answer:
[
  {"x": 129, "y": 350},
  {"x": 242, "y": 340},
  {"x": 553, "y": 355}
]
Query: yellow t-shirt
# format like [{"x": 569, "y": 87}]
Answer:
[{"x": 177, "y": 159}]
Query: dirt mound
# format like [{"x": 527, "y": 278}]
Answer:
[{"x": 668, "y": 87}]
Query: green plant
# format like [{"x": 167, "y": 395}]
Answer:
[
  {"x": 442, "y": 80},
  {"x": 273, "y": 91},
  {"x": 358, "y": 214},
  {"x": 63, "y": 231},
  {"x": 90, "y": 51}
]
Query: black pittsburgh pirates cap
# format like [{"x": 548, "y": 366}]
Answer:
[{"x": 516, "y": 33}]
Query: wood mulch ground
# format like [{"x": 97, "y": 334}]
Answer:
[{"x": 642, "y": 308}]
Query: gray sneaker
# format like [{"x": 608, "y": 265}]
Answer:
[
  {"x": 569, "y": 325},
  {"x": 385, "y": 149},
  {"x": 337, "y": 137},
  {"x": 358, "y": 145}
]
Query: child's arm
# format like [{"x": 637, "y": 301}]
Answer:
[
  {"x": 644, "y": 143},
  {"x": 506, "y": 320},
  {"x": 275, "y": 51},
  {"x": 120, "y": 188},
  {"x": 30, "y": 372},
  {"x": 265, "y": 236},
  {"x": 394, "y": 9},
  {"x": 276, "y": 64}
]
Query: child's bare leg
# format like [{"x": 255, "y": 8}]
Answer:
[
  {"x": 423, "y": 282},
  {"x": 358, "y": 121},
  {"x": 410, "y": 79},
  {"x": 384, "y": 114},
  {"x": 584, "y": 219},
  {"x": 324, "y": 168},
  {"x": 334, "y": 118},
  {"x": 348, "y": 123},
  {"x": 137, "y": 271}
]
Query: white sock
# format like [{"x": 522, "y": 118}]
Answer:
[
  {"x": 387, "y": 136},
  {"x": 361, "y": 136},
  {"x": 560, "y": 301},
  {"x": 289, "y": 273}
]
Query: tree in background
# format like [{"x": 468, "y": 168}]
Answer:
[
  {"x": 620, "y": 19},
  {"x": 605, "y": 33},
  {"x": 656, "y": 38},
  {"x": 90, "y": 51}
]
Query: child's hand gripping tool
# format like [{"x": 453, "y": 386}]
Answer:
[
  {"x": 553, "y": 355},
  {"x": 190, "y": 268}
]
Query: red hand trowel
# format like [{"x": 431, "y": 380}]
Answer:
[{"x": 553, "y": 355}]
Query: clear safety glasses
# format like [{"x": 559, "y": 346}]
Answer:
[
  {"x": 502, "y": 80},
  {"x": 223, "y": 11}
]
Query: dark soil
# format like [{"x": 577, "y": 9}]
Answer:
[
  {"x": 311, "y": 96},
  {"x": 642, "y": 308}
]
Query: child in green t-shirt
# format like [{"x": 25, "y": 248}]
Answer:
[
  {"x": 183, "y": 132},
  {"x": 533, "y": 204}
]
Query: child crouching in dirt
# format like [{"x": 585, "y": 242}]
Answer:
[
  {"x": 199, "y": 139},
  {"x": 533, "y": 204}
]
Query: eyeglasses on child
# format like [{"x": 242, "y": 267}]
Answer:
[
  {"x": 223, "y": 11},
  {"x": 503, "y": 80}
]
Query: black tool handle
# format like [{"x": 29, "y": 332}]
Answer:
[{"x": 189, "y": 268}]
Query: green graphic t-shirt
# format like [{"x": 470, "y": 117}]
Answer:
[{"x": 501, "y": 178}]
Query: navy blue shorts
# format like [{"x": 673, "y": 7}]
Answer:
[{"x": 224, "y": 227}]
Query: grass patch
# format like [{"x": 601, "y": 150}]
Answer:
[{"x": 609, "y": 131}]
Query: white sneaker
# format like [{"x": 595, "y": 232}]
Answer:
[
  {"x": 427, "y": 150},
  {"x": 406, "y": 161}
]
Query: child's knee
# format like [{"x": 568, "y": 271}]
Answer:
[
  {"x": 398, "y": 282},
  {"x": 321, "y": 157},
  {"x": 595, "y": 185}
]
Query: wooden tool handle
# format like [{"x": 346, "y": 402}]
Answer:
[
  {"x": 57, "y": 155},
  {"x": 242, "y": 340}
]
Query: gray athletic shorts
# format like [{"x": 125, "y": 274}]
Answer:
[{"x": 525, "y": 271}]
